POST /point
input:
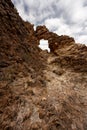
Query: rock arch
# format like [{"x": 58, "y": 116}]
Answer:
[{"x": 54, "y": 41}]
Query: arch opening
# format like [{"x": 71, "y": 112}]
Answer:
[{"x": 44, "y": 45}]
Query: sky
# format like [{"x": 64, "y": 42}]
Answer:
[
  {"x": 44, "y": 45},
  {"x": 64, "y": 17}
]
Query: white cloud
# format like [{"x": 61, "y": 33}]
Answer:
[
  {"x": 58, "y": 25},
  {"x": 82, "y": 39},
  {"x": 63, "y": 17}
]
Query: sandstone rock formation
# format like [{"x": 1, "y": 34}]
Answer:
[{"x": 40, "y": 90}]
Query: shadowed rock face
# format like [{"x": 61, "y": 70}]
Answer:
[
  {"x": 40, "y": 90},
  {"x": 17, "y": 40}
]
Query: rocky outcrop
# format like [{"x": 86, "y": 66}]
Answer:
[
  {"x": 43, "y": 33},
  {"x": 20, "y": 66},
  {"x": 40, "y": 90},
  {"x": 69, "y": 54},
  {"x": 17, "y": 38},
  {"x": 55, "y": 41}
]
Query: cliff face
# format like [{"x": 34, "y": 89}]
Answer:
[
  {"x": 17, "y": 38},
  {"x": 40, "y": 90}
]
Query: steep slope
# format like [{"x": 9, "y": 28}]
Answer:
[
  {"x": 66, "y": 73},
  {"x": 21, "y": 65},
  {"x": 17, "y": 38},
  {"x": 40, "y": 90},
  {"x": 66, "y": 97}
]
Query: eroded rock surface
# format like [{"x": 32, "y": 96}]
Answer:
[
  {"x": 69, "y": 54},
  {"x": 40, "y": 90}
]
